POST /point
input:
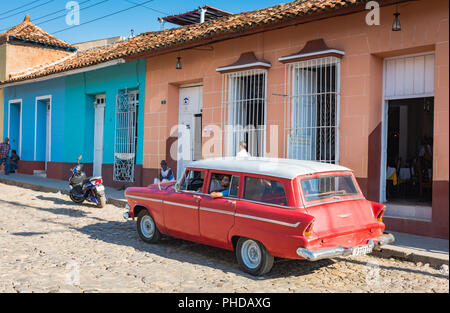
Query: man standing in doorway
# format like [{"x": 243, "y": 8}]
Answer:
[
  {"x": 4, "y": 154},
  {"x": 243, "y": 150}
]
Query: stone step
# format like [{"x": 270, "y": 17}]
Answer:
[{"x": 40, "y": 173}]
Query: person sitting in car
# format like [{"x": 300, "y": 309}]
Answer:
[{"x": 224, "y": 192}]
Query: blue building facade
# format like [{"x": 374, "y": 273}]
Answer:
[{"x": 51, "y": 122}]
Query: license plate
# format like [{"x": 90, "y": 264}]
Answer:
[
  {"x": 362, "y": 250},
  {"x": 100, "y": 188}
]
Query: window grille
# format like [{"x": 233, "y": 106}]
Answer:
[
  {"x": 312, "y": 110},
  {"x": 125, "y": 136},
  {"x": 244, "y": 102}
]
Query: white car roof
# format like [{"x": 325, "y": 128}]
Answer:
[{"x": 283, "y": 168}]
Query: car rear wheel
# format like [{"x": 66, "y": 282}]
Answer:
[
  {"x": 146, "y": 228},
  {"x": 253, "y": 257}
]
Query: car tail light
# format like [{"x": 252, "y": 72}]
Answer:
[
  {"x": 380, "y": 215},
  {"x": 308, "y": 230},
  {"x": 98, "y": 182}
]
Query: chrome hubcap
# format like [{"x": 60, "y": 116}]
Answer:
[
  {"x": 251, "y": 254},
  {"x": 147, "y": 226}
]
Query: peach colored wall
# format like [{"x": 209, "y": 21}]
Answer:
[
  {"x": 424, "y": 28},
  {"x": 21, "y": 57}
]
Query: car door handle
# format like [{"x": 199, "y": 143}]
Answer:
[
  {"x": 231, "y": 201},
  {"x": 197, "y": 197}
]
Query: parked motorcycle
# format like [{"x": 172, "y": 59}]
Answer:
[{"x": 86, "y": 189}]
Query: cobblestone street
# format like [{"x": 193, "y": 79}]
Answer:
[{"x": 49, "y": 244}]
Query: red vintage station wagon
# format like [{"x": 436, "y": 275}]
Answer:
[{"x": 262, "y": 208}]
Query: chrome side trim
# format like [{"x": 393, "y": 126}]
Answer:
[
  {"x": 267, "y": 220},
  {"x": 217, "y": 211},
  {"x": 221, "y": 211},
  {"x": 183, "y": 205},
  {"x": 142, "y": 198}
]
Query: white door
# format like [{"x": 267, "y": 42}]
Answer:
[
  {"x": 98, "y": 134},
  {"x": 48, "y": 134},
  {"x": 189, "y": 138}
]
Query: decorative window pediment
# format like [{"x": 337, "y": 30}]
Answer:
[
  {"x": 313, "y": 49},
  {"x": 247, "y": 61}
]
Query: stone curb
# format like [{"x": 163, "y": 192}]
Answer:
[
  {"x": 115, "y": 202},
  {"x": 412, "y": 255}
]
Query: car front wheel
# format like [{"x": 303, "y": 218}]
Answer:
[
  {"x": 146, "y": 228},
  {"x": 253, "y": 257}
]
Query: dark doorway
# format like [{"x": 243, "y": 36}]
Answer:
[{"x": 410, "y": 151}]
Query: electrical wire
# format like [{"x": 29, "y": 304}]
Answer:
[
  {"x": 19, "y": 7},
  {"x": 62, "y": 10},
  {"x": 102, "y": 17},
  {"x": 26, "y": 10},
  {"x": 63, "y": 15},
  {"x": 151, "y": 9},
  {"x": 41, "y": 17}
]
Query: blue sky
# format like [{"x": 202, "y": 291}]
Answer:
[{"x": 51, "y": 15}]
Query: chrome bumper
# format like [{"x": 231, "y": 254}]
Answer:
[
  {"x": 329, "y": 253},
  {"x": 126, "y": 215}
]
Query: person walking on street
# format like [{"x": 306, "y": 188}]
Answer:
[{"x": 4, "y": 154}]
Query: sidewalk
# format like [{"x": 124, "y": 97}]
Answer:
[
  {"x": 114, "y": 196},
  {"x": 409, "y": 247}
]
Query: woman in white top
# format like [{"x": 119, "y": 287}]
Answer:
[{"x": 166, "y": 172}]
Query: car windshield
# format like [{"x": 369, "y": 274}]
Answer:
[{"x": 328, "y": 186}]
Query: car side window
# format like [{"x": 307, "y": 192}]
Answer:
[
  {"x": 225, "y": 183},
  {"x": 193, "y": 181},
  {"x": 264, "y": 190}
]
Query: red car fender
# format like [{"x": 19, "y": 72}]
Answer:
[
  {"x": 155, "y": 210},
  {"x": 278, "y": 242}
]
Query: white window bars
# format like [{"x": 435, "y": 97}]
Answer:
[
  {"x": 312, "y": 110},
  {"x": 125, "y": 136},
  {"x": 244, "y": 103}
]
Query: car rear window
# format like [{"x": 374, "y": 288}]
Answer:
[
  {"x": 328, "y": 186},
  {"x": 264, "y": 190}
]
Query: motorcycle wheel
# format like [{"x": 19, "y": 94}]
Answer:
[
  {"x": 101, "y": 202},
  {"x": 78, "y": 201}
]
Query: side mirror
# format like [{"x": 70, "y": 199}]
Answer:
[{"x": 177, "y": 187}]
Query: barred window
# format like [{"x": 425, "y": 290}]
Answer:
[
  {"x": 244, "y": 102},
  {"x": 312, "y": 110}
]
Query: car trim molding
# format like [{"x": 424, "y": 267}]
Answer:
[
  {"x": 183, "y": 205},
  {"x": 221, "y": 211},
  {"x": 217, "y": 211},
  {"x": 268, "y": 220},
  {"x": 142, "y": 198}
]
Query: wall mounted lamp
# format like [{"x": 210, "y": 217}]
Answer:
[
  {"x": 396, "y": 26},
  {"x": 178, "y": 67}
]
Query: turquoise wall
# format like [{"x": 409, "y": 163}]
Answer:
[{"x": 79, "y": 115}]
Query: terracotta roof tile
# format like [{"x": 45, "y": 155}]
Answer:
[
  {"x": 171, "y": 38},
  {"x": 27, "y": 31}
]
